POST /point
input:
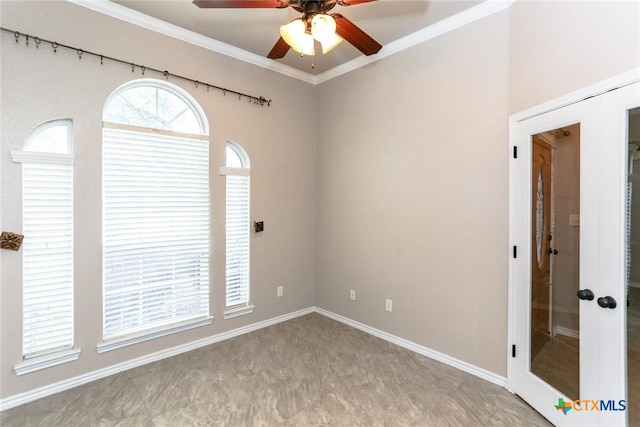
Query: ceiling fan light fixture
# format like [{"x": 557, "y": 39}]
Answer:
[
  {"x": 305, "y": 45},
  {"x": 292, "y": 31},
  {"x": 323, "y": 29},
  {"x": 295, "y": 35},
  {"x": 328, "y": 43},
  {"x": 322, "y": 26}
]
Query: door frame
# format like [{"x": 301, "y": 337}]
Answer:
[{"x": 599, "y": 88}]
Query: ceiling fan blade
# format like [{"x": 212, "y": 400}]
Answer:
[
  {"x": 237, "y": 4},
  {"x": 354, "y": 35},
  {"x": 352, "y": 2},
  {"x": 279, "y": 50}
]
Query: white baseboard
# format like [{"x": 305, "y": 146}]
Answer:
[
  {"x": 30, "y": 396},
  {"x": 48, "y": 390},
  {"x": 425, "y": 351},
  {"x": 561, "y": 330}
]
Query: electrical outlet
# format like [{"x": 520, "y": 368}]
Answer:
[
  {"x": 352, "y": 294},
  {"x": 389, "y": 305},
  {"x": 279, "y": 291}
]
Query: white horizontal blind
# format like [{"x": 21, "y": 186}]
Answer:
[
  {"x": 238, "y": 227},
  {"x": 47, "y": 258},
  {"x": 156, "y": 230}
]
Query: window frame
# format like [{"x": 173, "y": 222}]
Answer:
[
  {"x": 243, "y": 307},
  {"x": 63, "y": 353},
  {"x": 115, "y": 341}
]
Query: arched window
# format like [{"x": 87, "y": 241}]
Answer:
[
  {"x": 156, "y": 241},
  {"x": 237, "y": 172},
  {"x": 47, "y": 263}
]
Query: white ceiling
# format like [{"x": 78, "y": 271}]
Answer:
[{"x": 257, "y": 30}]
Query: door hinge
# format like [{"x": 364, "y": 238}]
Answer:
[
  {"x": 515, "y": 252},
  {"x": 513, "y": 350},
  {"x": 515, "y": 151}
]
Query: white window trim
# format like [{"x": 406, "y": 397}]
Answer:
[
  {"x": 128, "y": 340},
  {"x": 43, "y": 362},
  {"x": 112, "y": 125},
  {"x": 224, "y": 171},
  {"x": 238, "y": 311},
  {"x": 42, "y": 158}
]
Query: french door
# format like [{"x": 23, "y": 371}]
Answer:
[{"x": 568, "y": 290}]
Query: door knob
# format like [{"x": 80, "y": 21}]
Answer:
[
  {"x": 607, "y": 302},
  {"x": 586, "y": 294}
]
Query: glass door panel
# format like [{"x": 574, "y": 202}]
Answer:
[
  {"x": 555, "y": 216},
  {"x": 633, "y": 268}
]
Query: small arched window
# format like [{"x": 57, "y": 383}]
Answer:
[
  {"x": 237, "y": 269},
  {"x": 156, "y": 212},
  {"x": 52, "y": 137},
  {"x": 47, "y": 264}
]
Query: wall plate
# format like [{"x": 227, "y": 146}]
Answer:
[{"x": 11, "y": 241}]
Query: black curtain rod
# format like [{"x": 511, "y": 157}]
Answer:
[{"x": 259, "y": 100}]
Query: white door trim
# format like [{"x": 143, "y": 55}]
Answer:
[{"x": 599, "y": 88}]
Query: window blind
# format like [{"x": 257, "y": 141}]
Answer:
[
  {"x": 237, "y": 237},
  {"x": 47, "y": 258},
  {"x": 156, "y": 230}
]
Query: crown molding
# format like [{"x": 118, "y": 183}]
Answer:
[
  {"x": 475, "y": 13},
  {"x": 114, "y": 10},
  {"x": 131, "y": 16}
]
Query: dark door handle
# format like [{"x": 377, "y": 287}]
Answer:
[
  {"x": 607, "y": 302},
  {"x": 586, "y": 294}
]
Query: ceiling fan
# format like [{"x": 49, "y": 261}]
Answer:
[{"x": 315, "y": 24}]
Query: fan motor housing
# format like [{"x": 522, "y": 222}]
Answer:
[{"x": 308, "y": 8}]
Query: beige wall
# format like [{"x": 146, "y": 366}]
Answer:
[
  {"x": 556, "y": 47},
  {"x": 413, "y": 168},
  {"x": 38, "y": 85},
  {"x": 412, "y": 194},
  {"x": 405, "y": 183}
]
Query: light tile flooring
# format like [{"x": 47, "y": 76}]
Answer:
[{"x": 304, "y": 372}]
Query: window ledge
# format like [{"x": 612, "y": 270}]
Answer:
[
  {"x": 120, "y": 342},
  {"x": 238, "y": 311},
  {"x": 43, "y": 362}
]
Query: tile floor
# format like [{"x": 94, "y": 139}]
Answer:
[{"x": 308, "y": 371}]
